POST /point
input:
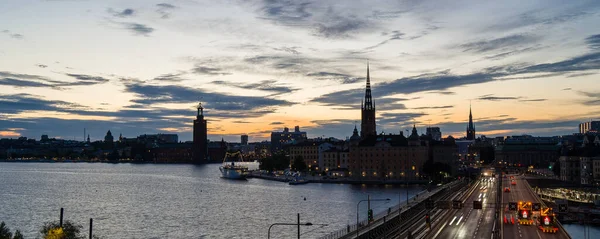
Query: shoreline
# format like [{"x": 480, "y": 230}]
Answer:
[{"x": 287, "y": 179}]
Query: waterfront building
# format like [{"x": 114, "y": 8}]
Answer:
[
  {"x": 446, "y": 152},
  {"x": 216, "y": 151},
  {"x": 434, "y": 133},
  {"x": 526, "y": 150},
  {"x": 388, "y": 157},
  {"x": 311, "y": 152},
  {"x": 200, "y": 139},
  {"x": 172, "y": 153},
  {"x": 578, "y": 163},
  {"x": 335, "y": 159},
  {"x": 280, "y": 139},
  {"x": 367, "y": 123}
]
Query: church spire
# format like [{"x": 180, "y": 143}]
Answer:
[
  {"x": 368, "y": 99},
  {"x": 470, "y": 126}
]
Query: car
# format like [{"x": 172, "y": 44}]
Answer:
[
  {"x": 507, "y": 190},
  {"x": 513, "y": 182}
]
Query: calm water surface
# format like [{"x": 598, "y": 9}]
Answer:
[{"x": 176, "y": 201}]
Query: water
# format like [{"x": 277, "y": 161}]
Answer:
[{"x": 176, "y": 201}]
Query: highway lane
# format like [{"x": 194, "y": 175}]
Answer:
[
  {"x": 520, "y": 192},
  {"x": 468, "y": 222}
]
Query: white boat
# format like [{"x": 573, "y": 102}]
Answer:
[{"x": 233, "y": 168}]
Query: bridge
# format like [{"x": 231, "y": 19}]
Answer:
[{"x": 462, "y": 209}]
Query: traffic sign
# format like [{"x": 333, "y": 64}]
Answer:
[
  {"x": 457, "y": 204},
  {"x": 563, "y": 208},
  {"x": 512, "y": 206}
]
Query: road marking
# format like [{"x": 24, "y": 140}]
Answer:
[
  {"x": 459, "y": 220},
  {"x": 452, "y": 221}
]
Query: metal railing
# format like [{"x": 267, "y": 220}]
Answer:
[{"x": 350, "y": 230}]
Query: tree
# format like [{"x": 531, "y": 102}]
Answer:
[
  {"x": 299, "y": 164},
  {"x": 274, "y": 162},
  {"x": 5, "y": 231},
  {"x": 69, "y": 230},
  {"x": 18, "y": 235}
]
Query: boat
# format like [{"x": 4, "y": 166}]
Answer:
[
  {"x": 298, "y": 181},
  {"x": 233, "y": 168}
]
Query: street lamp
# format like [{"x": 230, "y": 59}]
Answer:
[
  {"x": 286, "y": 224},
  {"x": 292, "y": 224},
  {"x": 368, "y": 208}
]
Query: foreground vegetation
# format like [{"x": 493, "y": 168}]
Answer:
[{"x": 50, "y": 230}]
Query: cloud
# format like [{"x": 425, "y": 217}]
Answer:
[
  {"x": 41, "y": 65},
  {"x": 169, "y": 78},
  {"x": 433, "y": 107},
  {"x": 595, "y": 97},
  {"x": 288, "y": 50},
  {"x": 533, "y": 100},
  {"x": 164, "y": 9},
  {"x": 593, "y": 41},
  {"x": 85, "y": 80},
  {"x": 443, "y": 92},
  {"x": 322, "y": 20},
  {"x": 22, "y": 83},
  {"x": 497, "y": 98},
  {"x": 394, "y": 35},
  {"x": 276, "y": 123},
  {"x": 125, "y": 13},
  {"x": 265, "y": 85},
  {"x": 443, "y": 80},
  {"x": 498, "y": 43},
  {"x": 137, "y": 28},
  {"x": 566, "y": 89},
  {"x": 342, "y": 78},
  {"x": 203, "y": 70},
  {"x": 341, "y": 27},
  {"x": 225, "y": 105},
  {"x": 13, "y": 35},
  {"x": 399, "y": 119}
]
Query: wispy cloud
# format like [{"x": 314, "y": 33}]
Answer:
[
  {"x": 137, "y": 28},
  {"x": 433, "y": 107},
  {"x": 342, "y": 78},
  {"x": 123, "y": 13},
  {"x": 204, "y": 70},
  {"x": 593, "y": 41},
  {"x": 164, "y": 9},
  {"x": 499, "y": 43},
  {"x": 266, "y": 85}
]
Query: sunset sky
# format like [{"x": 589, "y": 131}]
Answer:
[{"x": 142, "y": 66}]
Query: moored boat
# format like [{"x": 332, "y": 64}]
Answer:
[{"x": 232, "y": 169}]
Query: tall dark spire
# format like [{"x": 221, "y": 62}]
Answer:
[
  {"x": 368, "y": 98},
  {"x": 470, "y": 126},
  {"x": 367, "y": 125}
]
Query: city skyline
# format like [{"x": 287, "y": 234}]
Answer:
[{"x": 140, "y": 67}]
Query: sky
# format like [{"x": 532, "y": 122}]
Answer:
[{"x": 141, "y": 66}]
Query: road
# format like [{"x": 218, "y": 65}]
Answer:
[
  {"x": 521, "y": 192},
  {"x": 468, "y": 222}
]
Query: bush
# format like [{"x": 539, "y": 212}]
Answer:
[
  {"x": 6, "y": 234},
  {"x": 69, "y": 230}
]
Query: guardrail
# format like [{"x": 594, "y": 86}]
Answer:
[
  {"x": 350, "y": 230},
  {"x": 561, "y": 228}
]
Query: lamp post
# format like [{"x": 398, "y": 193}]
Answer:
[
  {"x": 292, "y": 224},
  {"x": 369, "y": 207}
]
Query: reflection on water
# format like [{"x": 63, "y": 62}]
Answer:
[{"x": 176, "y": 201}]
